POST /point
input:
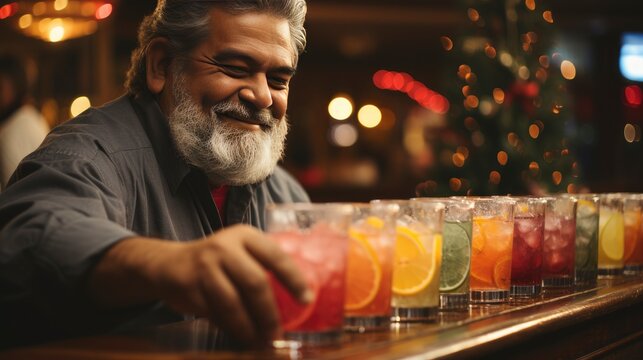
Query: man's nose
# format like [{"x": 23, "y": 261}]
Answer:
[{"x": 257, "y": 92}]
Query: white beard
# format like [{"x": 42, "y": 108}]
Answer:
[{"x": 227, "y": 154}]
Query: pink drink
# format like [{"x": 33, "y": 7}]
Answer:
[
  {"x": 321, "y": 255},
  {"x": 527, "y": 255},
  {"x": 560, "y": 242}
]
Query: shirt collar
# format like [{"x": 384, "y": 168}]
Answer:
[{"x": 156, "y": 126}]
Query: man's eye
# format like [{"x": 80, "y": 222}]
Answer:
[
  {"x": 235, "y": 70},
  {"x": 279, "y": 83}
]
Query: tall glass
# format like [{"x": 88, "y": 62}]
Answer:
[
  {"x": 611, "y": 240},
  {"x": 456, "y": 253},
  {"x": 416, "y": 264},
  {"x": 586, "y": 267},
  {"x": 370, "y": 267},
  {"x": 491, "y": 250},
  {"x": 316, "y": 237},
  {"x": 527, "y": 253},
  {"x": 560, "y": 242},
  {"x": 633, "y": 243}
]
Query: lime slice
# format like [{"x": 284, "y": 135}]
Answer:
[{"x": 456, "y": 253}]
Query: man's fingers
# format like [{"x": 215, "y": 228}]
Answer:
[
  {"x": 268, "y": 253},
  {"x": 226, "y": 307},
  {"x": 253, "y": 284}
]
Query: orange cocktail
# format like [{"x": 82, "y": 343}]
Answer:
[
  {"x": 632, "y": 234},
  {"x": 491, "y": 250},
  {"x": 370, "y": 267}
]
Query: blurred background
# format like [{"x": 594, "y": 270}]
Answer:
[{"x": 405, "y": 97}]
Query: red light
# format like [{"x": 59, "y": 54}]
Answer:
[
  {"x": 377, "y": 78},
  {"x": 633, "y": 95},
  {"x": 420, "y": 93},
  {"x": 387, "y": 80},
  {"x": 8, "y": 10},
  {"x": 398, "y": 81},
  {"x": 103, "y": 11}
]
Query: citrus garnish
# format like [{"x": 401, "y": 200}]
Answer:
[
  {"x": 455, "y": 257},
  {"x": 375, "y": 222},
  {"x": 293, "y": 314},
  {"x": 478, "y": 238},
  {"x": 414, "y": 267},
  {"x": 611, "y": 237},
  {"x": 364, "y": 274},
  {"x": 481, "y": 271},
  {"x": 502, "y": 272}
]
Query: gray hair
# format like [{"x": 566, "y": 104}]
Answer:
[{"x": 185, "y": 24}]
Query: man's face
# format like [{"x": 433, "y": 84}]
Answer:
[{"x": 229, "y": 98}]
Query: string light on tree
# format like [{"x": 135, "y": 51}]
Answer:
[{"x": 509, "y": 103}]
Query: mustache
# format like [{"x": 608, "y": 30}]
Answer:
[{"x": 244, "y": 112}]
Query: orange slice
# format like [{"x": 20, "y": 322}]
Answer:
[
  {"x": 502, "y": 272},
  {"x": 363, "y": 274},
  {"x": 414, "y": 267},
  {"x": 293, "y": 314}
]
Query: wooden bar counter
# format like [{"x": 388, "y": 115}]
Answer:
[{"x": 602, "y": 322}]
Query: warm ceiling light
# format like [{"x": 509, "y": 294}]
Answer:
[{"x": 59, "y": 20}]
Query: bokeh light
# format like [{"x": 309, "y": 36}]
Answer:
[
  {"x": 633, "y": 95},
  {"x": 369, "y": 116},
  {"x": 343, "y": 135},
  {"x": 340, "y": 108},
  {"x": 556, "y": 177},
  {"x": 447, "y": 43},
  {"x": 534, "y": 131},
  {"x": 473, "y": 14},
  {"x": 568, "y": 70},
  {"x": 458, "y": 159},
  {"x": 530, "y": 4},
  {"x": 629, "y": 132},
  {"x": 502, "y": 158},
  {"x": 455, "y": 184},
  {"x": 498, "y": 95},
  {"x": 548, "y": 16},
  {"x": 494, "y": 177},
  {"x": 79, "y": 105}
]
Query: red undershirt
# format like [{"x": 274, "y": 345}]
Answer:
[{"x": 219, "y": 195}]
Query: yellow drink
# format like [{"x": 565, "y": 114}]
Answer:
[
  {"x": 416, "y": 269},
  {"x": 610, "y": 242}
]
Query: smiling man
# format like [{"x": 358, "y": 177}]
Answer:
[{"x": 149, "y": 209}]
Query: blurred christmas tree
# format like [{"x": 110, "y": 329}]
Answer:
[{"x": 510, "y": 125}]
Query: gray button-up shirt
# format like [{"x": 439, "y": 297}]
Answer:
[{"x": 108, "y": 174}]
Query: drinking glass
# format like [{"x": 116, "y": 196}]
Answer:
[
  {"x": 633, "y": 243},
  {"x": 456, "y": 253},
  {"x": 370, "y": 267},
  {"x": 416, "y": 264},
  {"x": 491, "y": 250},
  {"x": 316, "y": 237},
  {"x": 527, "y": 253},
  {"x": 611, "y": 240},
  {"x": 560, "y": 242},
  {"x": 586, "y": 265}
]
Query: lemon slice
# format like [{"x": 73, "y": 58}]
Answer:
[
  {"x": 611, "y": 237},
  {"x": 363, "y": 273},
  {"x": 375, "y": 222},
  {"x": 414, "y": 267}
]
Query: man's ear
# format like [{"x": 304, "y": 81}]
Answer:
[{"x": 157, "y": 60}]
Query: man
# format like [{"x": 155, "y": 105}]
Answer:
[
  {"x": 189, "y": 154},
  {"x": 22, "y": 127}
]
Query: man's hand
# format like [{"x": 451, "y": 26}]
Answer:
[{"x": 222, "y": 277}]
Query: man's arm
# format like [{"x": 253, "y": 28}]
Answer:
[{"x": 222, "y": 277}]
